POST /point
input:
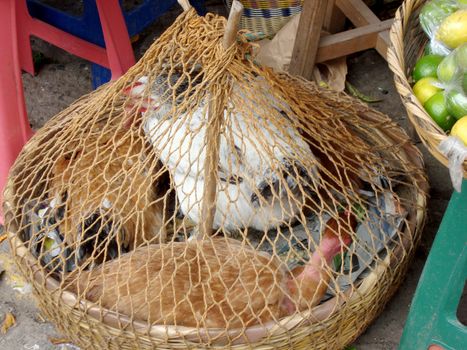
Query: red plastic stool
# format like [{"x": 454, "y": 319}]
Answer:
[{"x": 16, "y": 27}]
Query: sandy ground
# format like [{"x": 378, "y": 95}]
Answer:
[{"x": 66, "y": 78}]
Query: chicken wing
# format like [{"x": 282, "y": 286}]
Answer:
[{"x": 101, "y": 200}]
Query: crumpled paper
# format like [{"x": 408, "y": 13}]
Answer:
[{"x": 277, "y": 54}]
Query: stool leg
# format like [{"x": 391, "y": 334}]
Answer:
[
  {"x": 23, "y": 37},
  {"x": 432, "y": 317},
  {"x": 14, "y": 124},
  {"x": 100, "y": 75},
  {"x": 117, "y": 41}
]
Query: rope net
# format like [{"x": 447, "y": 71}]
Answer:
[{"x": 201, "y": 198}]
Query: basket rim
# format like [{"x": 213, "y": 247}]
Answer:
[
  {"x": 323, "y": 312},
  {"x": 432, "y": 135}
]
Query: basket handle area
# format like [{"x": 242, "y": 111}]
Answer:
[
  {"x": 230, "y": 33},
  {"x": 215, "y": 121},
  {"x": 185, "y": 4}
]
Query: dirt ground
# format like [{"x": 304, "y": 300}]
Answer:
[{"x": 66, "y": 78}]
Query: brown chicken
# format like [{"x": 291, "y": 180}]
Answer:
[
  {"x": 340, "y": 170},
  {"x": 216, "y": 283},
  {"x": 107, "y": 195}
]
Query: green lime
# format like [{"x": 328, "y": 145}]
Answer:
[
  {"x": 447, "y": 69},
  {"x": 436, "y": 108},
  {"x": 425, "y": 88},
  {"x": 461, "y": 56},
  {"x": 464, "y": 83},
  {"x": 456, "y": 103},
  {"x": 426, "y": 66}
]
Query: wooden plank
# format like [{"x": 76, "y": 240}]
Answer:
[
  {"x": 382, "y": 44},
  {"x": 334, "y": 20},
  {"x": 354, "y": 40},
  {"x": 307, "y": 39},
  {"x": 358, "y": 12}
]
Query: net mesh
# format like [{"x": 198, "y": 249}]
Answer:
[{"x": 202, "y": 199}]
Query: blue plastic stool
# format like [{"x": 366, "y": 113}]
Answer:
[
  {"x": 87, "y": 26},
  {"x": 432, "y": 317}
]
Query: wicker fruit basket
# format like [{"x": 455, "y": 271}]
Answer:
[{"x": 407, "y": 44}]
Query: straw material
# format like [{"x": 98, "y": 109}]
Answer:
[
  {"x": 267, "y": 17},
  {"x": 407, "y": 44},
  {"x": 201, "y": 201}
]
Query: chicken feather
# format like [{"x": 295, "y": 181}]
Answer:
[
  {"x": 259, "y": 167},
  {"x": 207, "y": 284},
  {"x": 102, "y": 197},
  {"x": 214, "y": 283}
]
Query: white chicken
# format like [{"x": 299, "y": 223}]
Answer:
[{"x": 261, "y": 183}]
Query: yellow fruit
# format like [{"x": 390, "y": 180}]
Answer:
[
  {"x": 460, "y": 129},
  {"x": 456, "y": 103},
  {"x": 425, "y": 88},
  {"x": 453, "y": 31}
]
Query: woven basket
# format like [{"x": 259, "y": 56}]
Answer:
[
  {"x": 92, "y": 327},
  {"x": 95, "y": 190},
  {"x": 267, "y": 17},
  {"x": 407, "y": 44}
]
